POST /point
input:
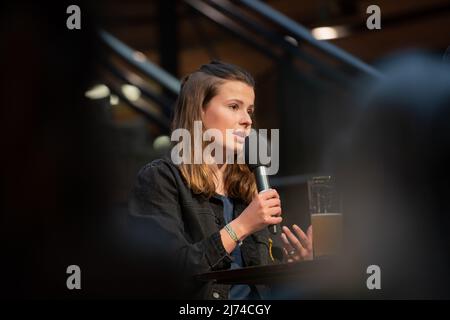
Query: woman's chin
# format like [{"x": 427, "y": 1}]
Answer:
[{"x": 233, "y": 150}]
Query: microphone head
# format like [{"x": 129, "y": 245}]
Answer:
[{"x": 256, "y": 150}]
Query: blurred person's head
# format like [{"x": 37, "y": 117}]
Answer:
[{"x": 394, "y": 172}]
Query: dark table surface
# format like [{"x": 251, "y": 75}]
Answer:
[{"x": 270, "y": 274}]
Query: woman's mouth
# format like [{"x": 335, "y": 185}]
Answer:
[{"x": 240, "y": 136}]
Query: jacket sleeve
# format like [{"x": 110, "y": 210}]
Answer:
[{"x": 155, "y": 198}]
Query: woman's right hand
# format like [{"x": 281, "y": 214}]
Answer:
[{"x": 264, "y": 210}]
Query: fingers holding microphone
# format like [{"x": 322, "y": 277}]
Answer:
[
  {"x": 271, "y": 205},
  {"x": 264, "y": 210}
]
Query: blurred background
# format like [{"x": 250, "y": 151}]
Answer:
[
  {"x": 83, "y": 110},
  {"x": 304, "y": 55}
]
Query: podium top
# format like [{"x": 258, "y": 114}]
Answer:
[{"x": 269, "y": 274}]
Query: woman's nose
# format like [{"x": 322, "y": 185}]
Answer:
[{"x": 246, "y": 119}]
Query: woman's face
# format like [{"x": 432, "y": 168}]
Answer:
[{"x": 231, "y": 109}]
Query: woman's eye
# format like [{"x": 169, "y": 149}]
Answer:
[{"x": 234, "y": 106}]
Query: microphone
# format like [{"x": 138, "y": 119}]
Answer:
[{"x": 253, "y": 162}]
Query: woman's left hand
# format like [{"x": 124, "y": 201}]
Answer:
[{"x": 297, "y": 245}]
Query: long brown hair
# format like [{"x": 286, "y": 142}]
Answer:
[{"x": 197, "y": 90}]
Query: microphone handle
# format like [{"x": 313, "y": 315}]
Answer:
[
  {"x": 262, "y": 184},
  {"x": 273, "y": 229}
]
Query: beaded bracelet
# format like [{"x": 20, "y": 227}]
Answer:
[{"x": 233, "y": 234}]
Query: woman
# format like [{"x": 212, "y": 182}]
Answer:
[{"x": 209, "y": 209}]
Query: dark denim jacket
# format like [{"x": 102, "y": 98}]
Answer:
[{"x": 193, "y": 223}]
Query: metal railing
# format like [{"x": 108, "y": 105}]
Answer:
[{"x": 299, "y": 32}]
